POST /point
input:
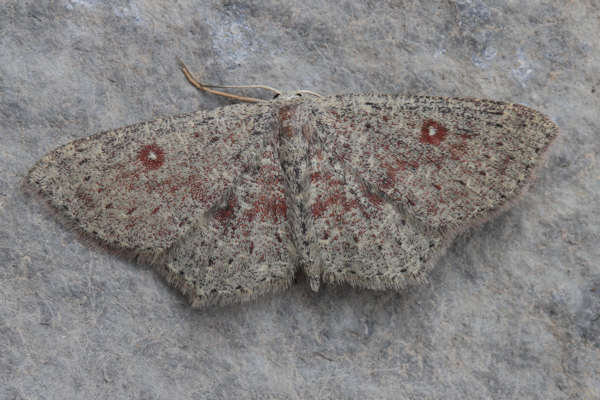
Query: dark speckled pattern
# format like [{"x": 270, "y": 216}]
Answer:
[
  {"x": 511, "y": 311},
  {"x": 376, "y": 187}
]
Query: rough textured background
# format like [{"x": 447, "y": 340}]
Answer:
[{"x": 513, "y": 310}]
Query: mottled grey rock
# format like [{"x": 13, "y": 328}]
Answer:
[{"x": 512, "y": 311}]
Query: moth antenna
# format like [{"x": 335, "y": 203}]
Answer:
[
  {"x": 269, "y": 88},
  {"x": 207, "y": 88},
  {"x": 309, "y": 92}
]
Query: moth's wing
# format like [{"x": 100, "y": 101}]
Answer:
[
  {"x": 357, "y": 235},
  {"x": 244, "y": 247},
  {"x": 430, "y": 166},
  {"x": 158, "y": 187}
]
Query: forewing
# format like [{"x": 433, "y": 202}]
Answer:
[
  {"x": 445, "y": 162},
  {"x": 243, "y": 248},
  {"x": 144, "y": 186},
  {"x": 394, "y": 179}
]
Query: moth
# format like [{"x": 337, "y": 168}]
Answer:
[{"x": 229, "y": 204}]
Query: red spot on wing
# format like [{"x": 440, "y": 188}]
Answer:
[
  {"x": 226, "y": 213},
  {"x": 269, "y": 201},
  {"x": 151, "y": 156},
  {"x": 272, "y": 207},
  {"x": 335, "y": 205},
  {"x": 374, "y": 199},
  {"x": 198, "y": 189},
  {"x": 391, "y": 171},
  {"x": 432, "y": 132},
  {"x": 315, "y": 176},
  {"x": 319, "y": 206},
  {"x": 285, "y": 114},
  {"x": 458, "y": 150}
]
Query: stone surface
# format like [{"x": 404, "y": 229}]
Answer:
[{"x": 512, "y": 311}]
